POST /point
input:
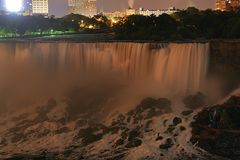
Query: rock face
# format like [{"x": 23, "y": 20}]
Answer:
[
  {"x": 195, "y": 101},
  {"x": 224, "y": 62},
  {"x": 217, "y": 129},
  {"x": 225, "y": 56}
]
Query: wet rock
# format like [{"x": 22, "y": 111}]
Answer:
[
  {"x": 119, "y": 142},
  {"x": 159, "y": 138},
  {"x": 81, "y": 158},
  {"x": 148, "y": 109},
  {"x": 182, "y": 128},
  {"x": 170, "y": 129},
  {"x": 128, "y": 119},
  {"x": 177, "y": 121},
  {"x": 167, "y": 144},
  {"x": 217, "y": 129},
  {"x": 133, "y": 134},
  {"x": 134, "y": 143},
  {"x": 148, "y": 126},
  {"x": 62, "y": 130},
  {"x": 176, "y": 134},
  {"x": 195, "y": 101},
  {"x": 186, "y": 113},
  {"x": 91, "y": 134}
]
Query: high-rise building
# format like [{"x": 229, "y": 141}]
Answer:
[
  {"x": 226, "y": 5},
  {"x": 221, "y": 5},
  {"x": 234, "y": 4},
  {"x": 40, "y": 7},
  {"x": 83, "y": 7}
]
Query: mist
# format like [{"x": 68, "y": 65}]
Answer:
[{"x": 119, "y": 72}]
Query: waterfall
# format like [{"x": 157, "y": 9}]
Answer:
[{"x": 177, "y": 67}]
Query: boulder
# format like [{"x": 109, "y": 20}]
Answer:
[
  {"x": 177, "y": 121},
  {"x": 186, "y": 113},
  {"x": 167, "y": 144},
  {"x": 217, "y": 129},
  {"x": 195, "y": 101}
]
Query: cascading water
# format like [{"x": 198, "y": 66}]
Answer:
[
  {"x": 113, "y": 78},
  {"x": 176, "y": 67}
]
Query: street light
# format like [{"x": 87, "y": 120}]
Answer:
[{"x": 14, "y": 5}]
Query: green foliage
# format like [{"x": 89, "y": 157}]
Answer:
[
  {"x": 15, "y": 25},
  {"x": 186, "y": 24},
  {"x": 136, "y": 26}
]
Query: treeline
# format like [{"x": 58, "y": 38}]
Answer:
[
  {"x": 15, "y": 25},
  {"x": 186, "y": 24}
]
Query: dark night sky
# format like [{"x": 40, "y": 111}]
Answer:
[{"x": 58, "y": 7}]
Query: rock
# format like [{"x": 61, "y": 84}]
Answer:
[
  {"x": 182, "y": 128},
  {"x": 119, "y": 142},
  {"x": 167, "y": 144},
  {"x": 176, "y": 134},
  {"x": 170, "y": 129},
  {"x": 159, "y": 138},
  {"x": 134, "y": 143},
  {"x": 148, "y": 126},
  {"x": 177, "y": 121},
  {"x": 186, "y": 113},
  {"x": 62, "y": 130},
  {"x": 234, "y": 100},
  {"x": 91, "y": 134},
  {"x": 149, "y": 103},
  {"x": 148, "y": 109},
  {"x": 217, "y": 129},
  {"x": 195, "y": 101},
  {"x": 133, "y": 134}
]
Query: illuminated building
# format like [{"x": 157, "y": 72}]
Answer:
[
  {"x": 140, "y": 11},
  {"x": 226, "y": 5},
  {"x": 131, "y": 11},
  {"x": 233, "y": 4},
  {"x": 143, "y": 12},
  {"x": 83, "y": 7},
  {"x": 111, "y": 15},
  {"x": 40, "y": 7}
]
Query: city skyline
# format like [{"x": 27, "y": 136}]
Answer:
[
  {"x": 83, "y": 7},
  {"x": 59, "y": 7}
]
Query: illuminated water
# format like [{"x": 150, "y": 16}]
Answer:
[{"x": 43, "y": 69}]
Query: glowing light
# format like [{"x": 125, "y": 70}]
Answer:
[
  {"x": 90, "y": 26},
  {"x": 14, "y": 5}
]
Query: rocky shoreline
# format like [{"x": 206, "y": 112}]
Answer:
[{"x": 149, "y": 131}]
